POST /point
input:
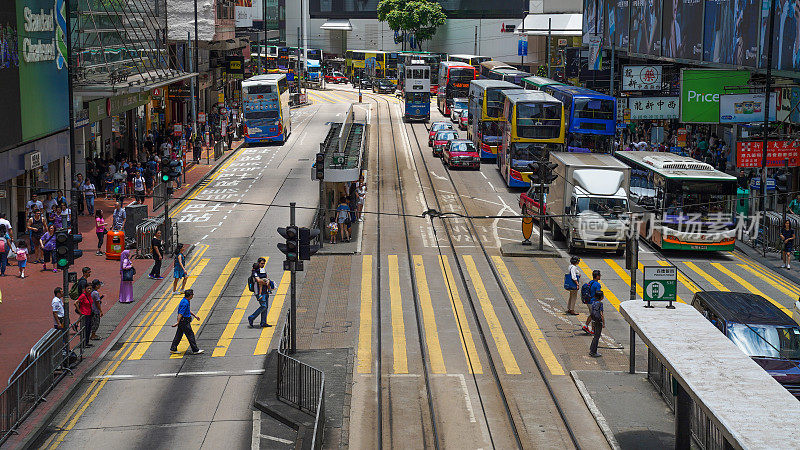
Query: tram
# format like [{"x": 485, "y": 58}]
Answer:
[{"x": 416, "y": 91}]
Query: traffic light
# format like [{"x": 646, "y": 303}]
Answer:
[
  {"x": 165, "y": 169},
  {"x": 170, "y": 169},
  {"x": 782, "y": 181},
  {"x": 546, "y": 175},
  {"x": 319, "y": 166},
  {"x": 534, "y": 167},
  {"x": 306, "y": 249},
  {"x": 67, "y": 250},
  {"x": 289, "y": 248}
]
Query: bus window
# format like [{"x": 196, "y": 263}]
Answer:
[{"x": 538, "y": 120}]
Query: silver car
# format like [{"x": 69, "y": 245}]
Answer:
[{"x": 459, "y": 104}]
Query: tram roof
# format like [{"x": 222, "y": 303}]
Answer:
[
  {"x": 520, "y": 96},
  {"x": 542, "y": 81},
  {"x": 674, "y": 166},
  {"x": 579, "y": 91}
]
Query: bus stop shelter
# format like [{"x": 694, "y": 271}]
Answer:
[{"x": 721, "y": 397}]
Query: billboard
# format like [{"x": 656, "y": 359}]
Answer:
[
  {"x": 645, "y": 25},
  {"x": 749, "y": 154},
  {"x": 641, "y": 78},
  {"x": 786, "y": 53},
  {"x": 682, "y": 36},
  {"x": 622, "y": 15},
  {"x": 731, "y": 31},
  {"x": 10, "y": 127},
  {"x": 244, "y": 13},
  {"x": 654, "y": 108},
  {"x": 701, "y": 90},
  {"x": 746, "y": 108}
]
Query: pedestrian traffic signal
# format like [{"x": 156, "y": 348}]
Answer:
[
  {"x": 546, "y": 174},
  {"x": 306, "y": 249},
  {"x": 165, "y": 170},
  {"x": 289, "y": 248},
  {"x": 782, "y": 181},
  {"x": 67, "y": 250},
  {"x": 319, "y": 166}
]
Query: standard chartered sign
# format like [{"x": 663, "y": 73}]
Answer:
[
  {"x": 700, "y": 91},
  {"x": 44, "y": 34}
]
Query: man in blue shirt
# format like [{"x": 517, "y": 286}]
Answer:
[
  {"x": 184, "y": 325},
  {"x": 598, "y": 322},
  {"x": 262, "y": 290},
  {"x": 594, "y": 287}
]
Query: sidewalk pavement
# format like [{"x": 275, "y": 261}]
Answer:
[{"x": 25, "y": 313}]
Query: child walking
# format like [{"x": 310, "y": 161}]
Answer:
[
  {"x": 22, "y": 257},
  {"x": 333, "y": 229}
]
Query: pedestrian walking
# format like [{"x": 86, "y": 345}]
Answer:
[
  {"x": 343, "y": 219},
  {"x": 118, "y": 217},
  {"x": 157, "y": 249},
  {"x": 184, "y": 324},
  {"x": 89, "y": 193},
  {"x": 99, "y": 230},
  {"x": 572, "y": 280},
  {"x": 57, "y": 306},
  {"x": 5, "y": 247},
  {"x": 36, "y": 229},
  {"x": 126, "y": 272},
  {"x": 78, "y": 191},
  {"x": 179, "y": 269},
  {"x": 84, "y": 307},
  {"x": 333, "y": 229},
  {"x": 598, "y": 322},
  {"x": 48, "y": 243},
  {"x": 138, "y": 187},
  {"x": 97, "y": 308},
  {"x": 588, "y": 292},
  {"x": 22, "y": 257},
  {"x": 787, "y": 234},
  {"x": 361, "y": 192},
  {"x": 259, "y": 280}
]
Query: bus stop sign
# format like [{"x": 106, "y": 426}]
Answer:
[{"x": 660, "y": 284}]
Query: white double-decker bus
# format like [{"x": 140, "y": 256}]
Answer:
[{"x": 265, "y": 100}]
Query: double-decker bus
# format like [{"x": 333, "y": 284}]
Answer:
[
  {"x": 686, "y": 204},
  {"x": 473, "y": 60},
  {"x": 485, "y": 126},
  {"x": 265, "y": 100},
  {"x": 416, "y": 92},
  {"x": 432, "y": 60},
  {"x": 385, "y": 64},
  {"x": 511, "y": 75},
  {"x": 533, "y": 126},
  {"x": 488, "y": 66},
  {"x": 591, "y": 118},
  {"x": 536, "y": 83},
  {"x": 454, "y": 79}
]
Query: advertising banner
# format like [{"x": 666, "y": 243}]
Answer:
[
  {"x": 641, "y": 78},
  {"x": 786, "y": 53},
  {"x": 794, "y": 99},
  {"x": 593, "y": 19},
  {"x": 244, "y": 13},
  {"x": 731, "y": 32},
  {"x": 701, "y": 89},
  {"x": 654, "y": 108},
  {"x": 745, "y": 108},
  {"x": 748, "y": 154},
  {"x": 10, "y": 126},
  {"x": 682, "y": 29},
  {"x": 622, "y": 19},
  {"x": 595, "y": 57},
  {"x": 645, "y": 23}
]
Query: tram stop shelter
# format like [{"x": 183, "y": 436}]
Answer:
[{"x": 721, "y": 397}]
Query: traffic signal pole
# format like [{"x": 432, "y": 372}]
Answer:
[{"x": 293, "y": 292}]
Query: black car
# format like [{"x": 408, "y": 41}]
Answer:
[
  {"x": 760, "y": 329},
  {"x": 365, "y": 83},
  {"x": 383, "y": 86}
]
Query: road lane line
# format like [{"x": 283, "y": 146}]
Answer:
[
  {"x": 527, "y": 317},
  {"x": 164, "y": 315},
  {"x": 609, "y": 294},
  {"x": 623, "y": 275},
  {"x": 233, "y": 324},
  {"x": 789, "y": 293},
  {"x": 208, "y": 303},
  {"x": 264, "y": 340},
  {"x": 749, "y": 286},
  {"x": 398, "y": 326},
  {"x": 428, "y": 318},
  {"x": 467, "y": 342},
  {"x": 682, "y": 278},
  {"x": 365, "y": 317},
  {"x": 767, "y": 272},
  {"x": 714, "y": 282},
  {"x": 500, "y": 340}
]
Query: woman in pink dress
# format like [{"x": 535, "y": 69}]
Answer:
[{"x": 125, "y": 287}]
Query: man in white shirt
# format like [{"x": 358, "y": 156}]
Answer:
[
  {"x": 49, "y": 203},
  {"x": 58, "y": 309},
  {"x": 4, "y": 221},
  {"x": 33, "y": 204}
]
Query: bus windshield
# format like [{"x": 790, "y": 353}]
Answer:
[
  {"x": 704, "y": 199},
  {"x": 585, "y": 142},
  {"x": 531, "y": 151},
  {"x": 461, "y": 75},
  {"x": 494, "y": 102},
  {"x": 589, "y": 108},
  {"x": 491, "y": 131},
  {"x": 459, "y": 104},
  {"x": 766, "y": 341},
  {"x": 417, "y": 97},
  {"x": 539, "y": 120}
]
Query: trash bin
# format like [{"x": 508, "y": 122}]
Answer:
[{"x": 115, "y": 244}]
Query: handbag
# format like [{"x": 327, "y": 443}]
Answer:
[
  {"x": 569, "y": 283},
  {"x": 127, "y": 274}
]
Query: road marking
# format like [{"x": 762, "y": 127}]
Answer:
[
  {"x": 624, "y": 275},
  {"x": 609, "y": 294},
  {"x": 682, "y": 278},
  {"x": 749, "y": 286},
  {"x": 467, "y": 342},
  {"x": 789, "y": 293},
  {"x": 165, "y": 313},
  {"x": 208, "y": 303},
  {"x": 233, "y": 323},
  {"x": 527, "y": 317},
  {"x": 205, "y": 184},
  {"x": 398, "y": 326},
  {"x": 428, "y": 318},
  {"x": 496, "y": 329},
  {"x": 767, "y": 272},
  {"x": 717, "y": 285},
  {"x": 273, "y": 315},
  {"x": 365, "y": 317}
]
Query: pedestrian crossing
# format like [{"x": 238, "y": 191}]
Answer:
[
  {"x": 450, "y": 332},
  {"x": 339, "y": 97}
]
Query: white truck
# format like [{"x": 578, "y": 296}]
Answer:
[{"x": 588, "y": 203}]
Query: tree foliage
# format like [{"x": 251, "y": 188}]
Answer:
[{"x": 419, "y": 18}]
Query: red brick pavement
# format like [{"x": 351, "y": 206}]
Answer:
[{"x": 25, "y": 311}]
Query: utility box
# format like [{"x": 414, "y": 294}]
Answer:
[{"x": 135, "y": 214}]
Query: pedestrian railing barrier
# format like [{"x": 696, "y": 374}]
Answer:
[
  {"x": 301, "y": 386},
  {"x": 159, "y": 193},
  {"x": 147, "y": 229},
  {"x": 47, "y": 363}
]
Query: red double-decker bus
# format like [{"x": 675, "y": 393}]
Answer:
[{"x": 454, "y": 78}]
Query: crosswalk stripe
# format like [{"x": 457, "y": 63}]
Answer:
[
  {"x": 338, "y": 96},
  {"x": 606, "y": 291},
  {"x": 624, "y": 275},
  {"x": 749, "y": 286},
  {"x": 467, "y": 342},
  {"x": 165, "y": 314},
  {"x": 233, "y": 324},
  {"x": 714, "y": 282},
  {"x": 775, "y": 278},
  {"x": 317, "y": 98},
  {"x": 789, "y": 293},
  {"x": 527, "y": 317},
  {"x": 500, "y": 340},
  {"x": 205, "y": 308},
  {"x": 365, "y": 317},
  {"x": 428, "y": 318},
  {"x": 325, "y": 98},
  {"x": 264, "y": 340},
  {"x": 641, "y": 269},
  {"x": 689, "y": 284},
  {"x": 398, "y": 325}
]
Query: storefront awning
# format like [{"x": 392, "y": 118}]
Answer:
[
  {"x": 337, "y": 25},
  {"x": 555, "y": 24},
  {"x": 135, "y": 83}
]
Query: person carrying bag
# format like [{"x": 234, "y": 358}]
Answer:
[{"x": 571, "y": 283}]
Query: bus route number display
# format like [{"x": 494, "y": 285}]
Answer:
[{"x": 660, "y": 284}]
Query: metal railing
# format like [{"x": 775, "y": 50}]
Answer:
[
  {"x": 48, "y": 362},
  {"x": 301, "y": 386}
]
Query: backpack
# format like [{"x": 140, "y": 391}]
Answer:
[
  {"x": 251, "y": 283},
  {"x": 596, "y": 306},
  {"x": 2, "y": 245},
  {"x": 74, "y": 293},
  {"x": 586, "y": 293}
]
